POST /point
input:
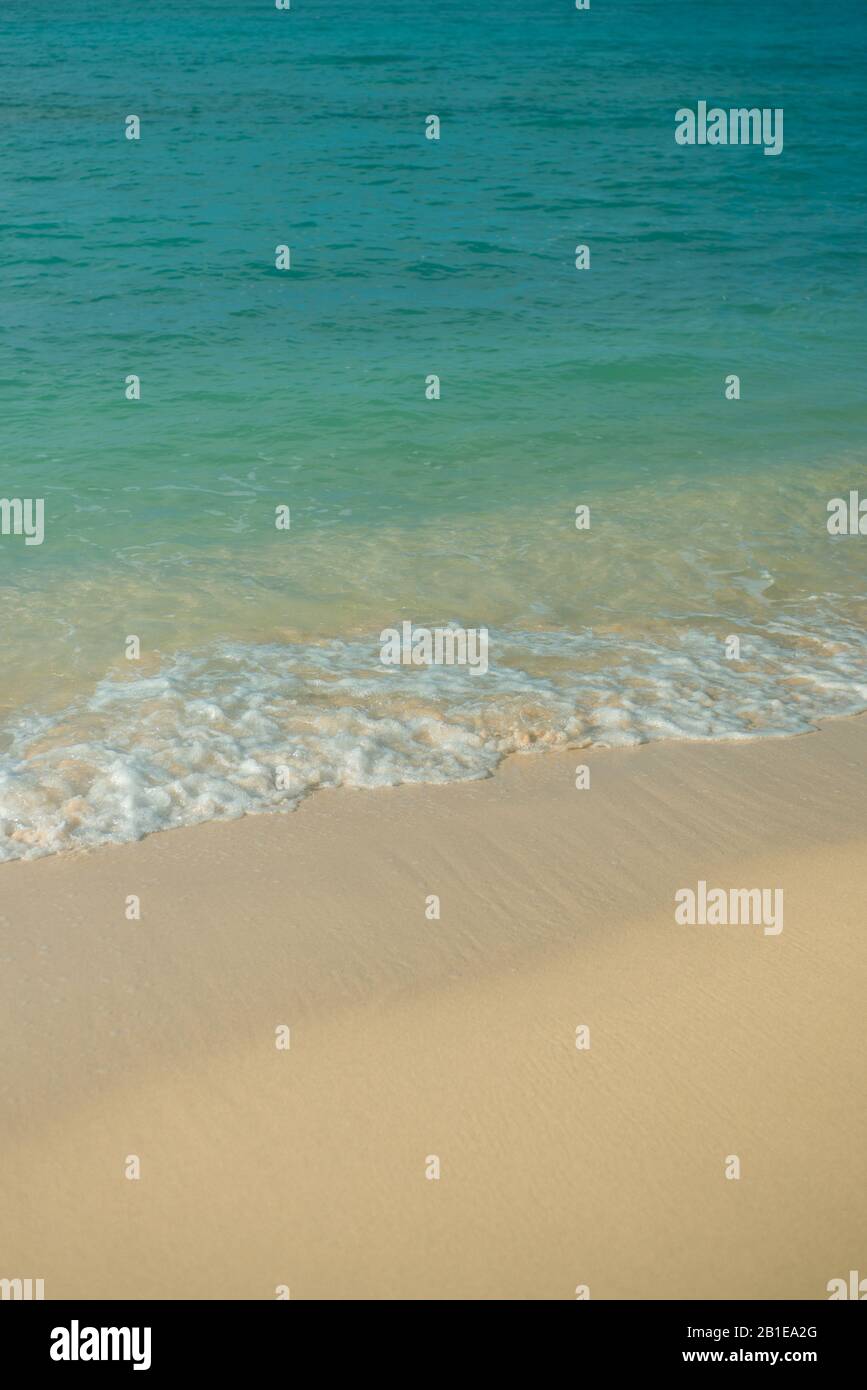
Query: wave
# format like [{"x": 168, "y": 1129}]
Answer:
[{"x": 239, "y": 728}]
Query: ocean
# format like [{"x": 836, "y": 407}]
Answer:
[{"x": 308, "y": 388}]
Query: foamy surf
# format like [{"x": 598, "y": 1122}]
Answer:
[{"x": 237, "y": 729}]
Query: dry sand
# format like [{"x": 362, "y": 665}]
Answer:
[{"x": 456, "y": 1038}]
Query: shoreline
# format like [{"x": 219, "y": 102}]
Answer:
[
  {"x": 456, "y": 1037},
  {"x": 512, "y": 755}
]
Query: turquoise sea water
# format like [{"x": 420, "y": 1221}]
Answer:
[{"x": 260, "y": 648}]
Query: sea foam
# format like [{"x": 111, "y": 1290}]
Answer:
[{"x": 240, "y": 728}]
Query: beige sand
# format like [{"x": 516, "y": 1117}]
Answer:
[{"x": 456, "y": 1037}]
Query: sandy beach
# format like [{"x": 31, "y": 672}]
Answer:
[{"x": 412, "y": 1037}]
